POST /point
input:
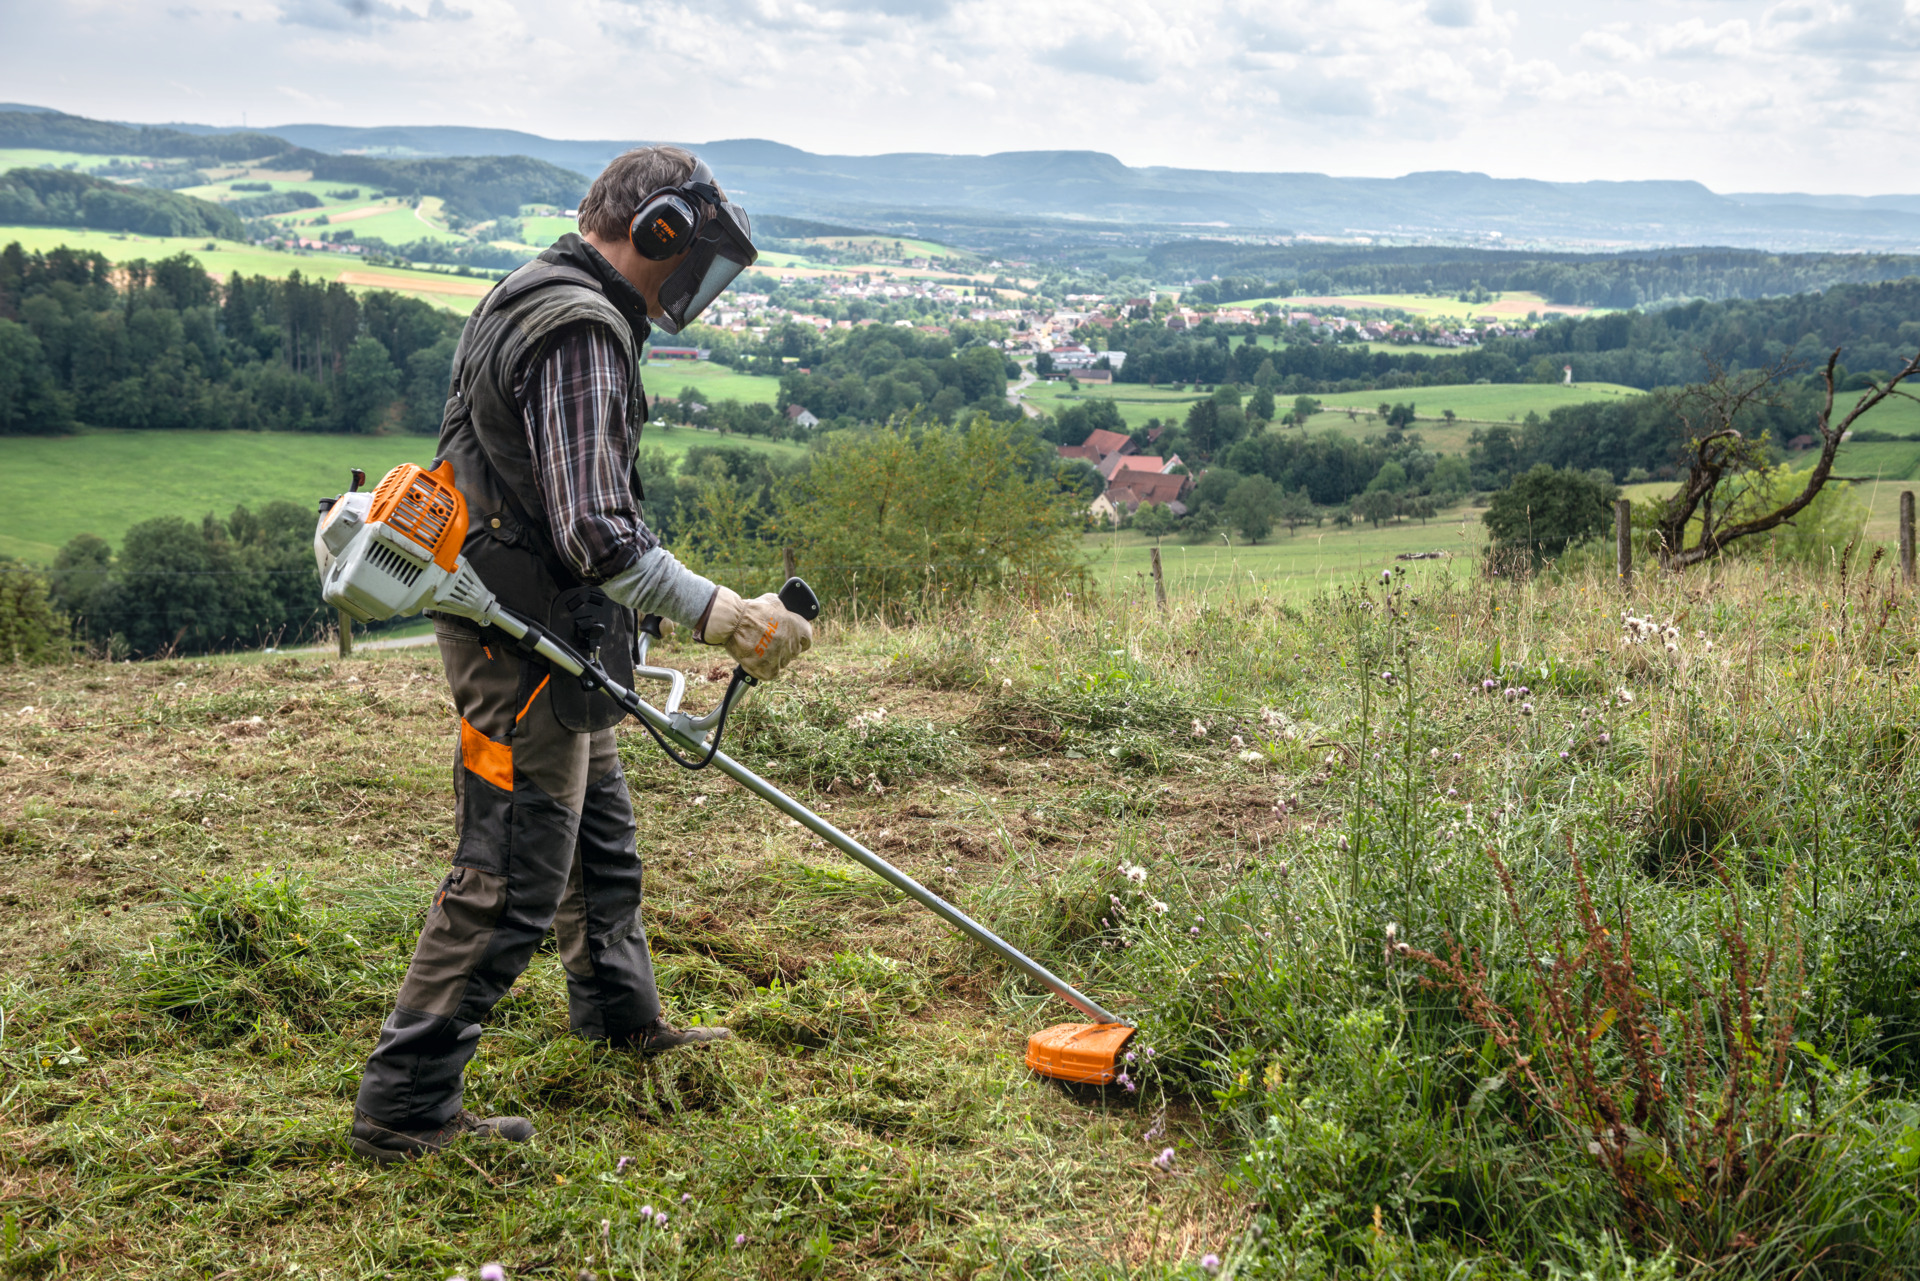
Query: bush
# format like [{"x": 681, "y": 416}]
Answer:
[
  {"x": 1546, "y": 511},
  {"x": 32, "y": 630}
]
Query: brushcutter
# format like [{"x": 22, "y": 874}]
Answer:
[{"x": 396, "y": 551}]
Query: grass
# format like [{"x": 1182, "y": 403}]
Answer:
[
  {"x": 443, "y": 289},
  {"x": 1686, "y": 879},
  {"x": 133, "y": 476},
  {"x": 665, "y": 379},
  {"x": 1507, "y": 307},
  {"x": 1306, "y": 559}
]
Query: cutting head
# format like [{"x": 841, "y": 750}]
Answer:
[{"x": 1084, "y": 1053}]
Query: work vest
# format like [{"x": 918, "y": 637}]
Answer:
[{"x": 483, "y": 433}]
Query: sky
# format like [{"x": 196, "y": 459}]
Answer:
[{"x": 1815, "y": 96}]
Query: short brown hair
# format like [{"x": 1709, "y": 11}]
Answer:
[{"x": 616, "y": 195}]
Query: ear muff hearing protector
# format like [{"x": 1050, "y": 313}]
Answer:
[{"x": 669, "y": 219}]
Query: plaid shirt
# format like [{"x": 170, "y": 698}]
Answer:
[{"x": 574, "y": 405}]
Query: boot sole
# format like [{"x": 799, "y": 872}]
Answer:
[{"x": 373, "y": 1151}]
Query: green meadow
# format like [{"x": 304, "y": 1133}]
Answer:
[
  {"x": 134, "y": 476},
  {"x": 665, "y": 379}
]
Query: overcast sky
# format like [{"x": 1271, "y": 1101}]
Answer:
[{"x": 1812, "y": 96}]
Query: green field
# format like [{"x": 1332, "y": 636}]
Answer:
[
  {"x": 443, "y": 289},
  {"x": 666, "y": 378},
  {"x": 1505, "y": 307},
  {"x": 128, "y": 477},
  {"x": 1308, "y": 560},
  {"x": 35, "y": 158},
  {"x": 1136, "y": 402},
  {"x": 542, "y": 232}
]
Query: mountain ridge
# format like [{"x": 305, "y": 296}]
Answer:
[{"x": 893, "y": 189}]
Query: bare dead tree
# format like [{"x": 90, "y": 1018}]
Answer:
[{"x": 1718, "y": 455}]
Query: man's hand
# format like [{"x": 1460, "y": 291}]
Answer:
[{"x": 760, "y": 634}]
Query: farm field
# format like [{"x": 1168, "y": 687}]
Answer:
[
  {"x": 1256, "y": 826},
  {"x": 1137, "y": 402},
  {"x": 542, "y": 231},
  {"x": 442, "y": 288},
  {"x": 1310, "y": 560},
  {"x": 1508, "y": 307},
  {"x": 134, "y": 476},
  {"x": 665, "y": 379}
]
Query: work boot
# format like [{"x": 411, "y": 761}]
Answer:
[
  {"x": 372, "y": 1139},
  {"x": 660, "y": 1036}
]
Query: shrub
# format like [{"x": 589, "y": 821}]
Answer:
[{"x": 32, "y": 630}]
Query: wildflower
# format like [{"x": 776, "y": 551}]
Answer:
[
  {"x": 1672, "y": 648},
  {"x": 1564, "y": 756},
  {"x": 1006, "y": 682},
  {"x": 1488, "y": 685},
  {"x": 1386, "y": 575},
  {"x": 1136, "y": 874},
  {"x": 1343, "y": 845},
  {"x": 1525, "y": 692},
  {"x": 1199, "y": 918},
  {"x": 1130, "y": 1056},
  {"x": 1193, "y": 931},
  {"x": 1159, "y": 909},
  {"x": 1148, "y": 1051},
  {"x": 646, "y": 1212},
  {"x": 1165, "y": 1160},
  {"x": 660, "y": 1219},
  {"x": 1510, "y": 693},
  {"x": 1624, "y": 695},
  {"x": 1453, "y": 791},
  {"x": 1249, "y": 757},
  {"x": 1386, "y": 678},
  {"x": 1236, "y": 742},
  {"x": 1605, "y": 738},
  {"x": 1709, "y": 647},
  {"x": 492, "y": 1272},
  {"x": 1209, "y": 1263},
  {"x": 1199, "y": 730},
  {"x": 1457, "y": 758},
  {"x": 685, "y": 1197},
  {"x": 1124, "y": 1081},
  {"x": 622, "y": 1164},
  {"x": 1433, "y": 753},
  {"x": 739, "y": 1238},
  {"x": 1526, "y": 709}
]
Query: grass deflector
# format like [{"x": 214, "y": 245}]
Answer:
[{"x": 396, "y": 551}]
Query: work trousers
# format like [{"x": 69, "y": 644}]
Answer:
[{"x": 546, "y": 839}]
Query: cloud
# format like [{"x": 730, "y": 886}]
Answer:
[
  {"x": 1610, "y": 46},
  {"x": 1103, "y": 55},
  {"x": 1456, "y": 13},
  {"x": 345, "y": 15}
]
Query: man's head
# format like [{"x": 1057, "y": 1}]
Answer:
[{"x": 608, "y": 210}]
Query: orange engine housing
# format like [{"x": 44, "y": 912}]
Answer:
[{"x": 426, "y": 507}]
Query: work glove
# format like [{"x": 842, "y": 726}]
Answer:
[{"x": 760, "y": 634}]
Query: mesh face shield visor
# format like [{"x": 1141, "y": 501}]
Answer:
[{"x": 721, "y": 251}]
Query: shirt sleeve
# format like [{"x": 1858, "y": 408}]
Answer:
[{"x": 575, "y": 409}]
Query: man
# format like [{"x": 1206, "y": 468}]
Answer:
[{"x": 541, "y": 426}]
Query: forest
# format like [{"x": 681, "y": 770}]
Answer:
[
  {"x": 1873, "y": 324},
  {"x": 1615, "y": 280},
  {"x": 54, "y": 198},
  {"x": 165, "y": 347}
]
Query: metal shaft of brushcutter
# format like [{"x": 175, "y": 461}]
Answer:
[{"x": 692, "y": 732}]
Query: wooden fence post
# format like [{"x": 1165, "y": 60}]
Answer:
[
  {"x": 1159, "y": 582},
  {"x": 787, "y": 554},
  {"x": 1623, "y": 541},
  {"x": 1906, "y": 536},
  {"x": 346, "y": 634}
]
